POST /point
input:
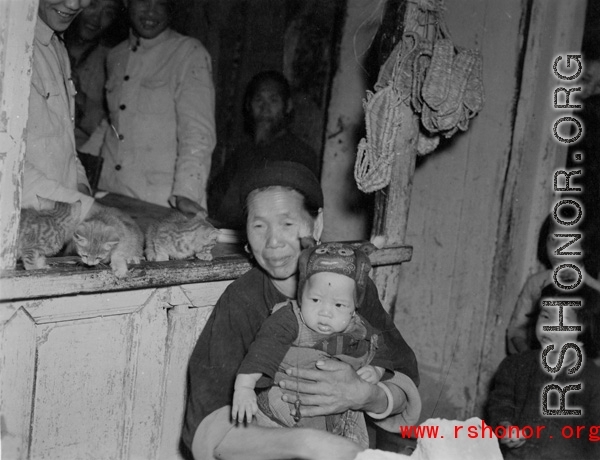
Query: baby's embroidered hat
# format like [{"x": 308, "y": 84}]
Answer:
[{"x": 336, "y": 258}]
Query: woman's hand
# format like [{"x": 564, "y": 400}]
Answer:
[{"x": 332, "y": 388}]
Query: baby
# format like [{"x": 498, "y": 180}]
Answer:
[{"x": 323, "y": 323}]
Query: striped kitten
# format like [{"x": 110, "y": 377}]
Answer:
[
  {"x": 109, "y": 235},
  {"x": 179, "y": 237},
  {"x": 43, "y": 233}
]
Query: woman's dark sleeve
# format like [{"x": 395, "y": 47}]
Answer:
[
  {"x": 221, "y": 347},
  {"x": 272, "y": 342},
  {"x": 403, "y": 357},
  {"x": 383, "y": 356}
]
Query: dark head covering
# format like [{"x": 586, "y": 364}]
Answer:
[
  {"x": 335, "y": 258},
  {"x": 285, "y": 174}
]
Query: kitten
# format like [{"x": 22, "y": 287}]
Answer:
[
  {"x": 179, "y": 237},
  {"x": 43, "y": 233},
  {"x": 109, "y": 235}
]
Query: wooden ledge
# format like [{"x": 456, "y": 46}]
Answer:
[{"x": 65, "y": 278}]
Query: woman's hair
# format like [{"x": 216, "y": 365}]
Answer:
[{"x": 288, "y": 174}]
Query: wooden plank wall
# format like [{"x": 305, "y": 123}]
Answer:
[
  {"x": 99, "y": 375},
  {"x": 556, "y": 28},
  {"x": 346, "y": 210},
  {"x": 457, "y": 211}
]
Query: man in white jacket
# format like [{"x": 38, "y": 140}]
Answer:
[
  {"x": 161, "y": 101},
  {"x": 51, "y": 168}
]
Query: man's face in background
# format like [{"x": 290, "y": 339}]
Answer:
[
  {"x": 149, "y": 18},
  {"x": 59, "y": 14}
]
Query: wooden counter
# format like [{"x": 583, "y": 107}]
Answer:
[{"x": 66, "y": 277}]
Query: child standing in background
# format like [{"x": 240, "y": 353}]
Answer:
[
  {"x": 517, "y": 397},
  {"x": 519, "y": 333}
]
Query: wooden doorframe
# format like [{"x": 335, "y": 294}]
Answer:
[
  {"x": 554, "y": 28},
  {"x": 17, "y": 25}
]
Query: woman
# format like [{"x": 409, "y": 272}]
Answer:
[{"x": 284, "y": 203}]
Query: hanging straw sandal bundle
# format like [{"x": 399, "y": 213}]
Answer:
[{"x": 443, "y": 83}]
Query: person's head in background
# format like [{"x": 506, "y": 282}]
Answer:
[
  {"x": 59, "y": 14},
  {"x": 267, "y": 105},
  {"x": 546, "y": 243},
  {"x": 96, "y": 19},
  {"x": 587, "y": 316},
  {"x": 590, "y": 78},
  {"x": 150, "y": 18}
]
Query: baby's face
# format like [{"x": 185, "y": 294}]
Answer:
[
  {"x": 328, "y": 302},
  {"x": 549, "y": 316}
]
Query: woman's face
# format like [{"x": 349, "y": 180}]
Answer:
[
  {"x": 276, "y": 221},
  {"x": 96, "y": 18}
]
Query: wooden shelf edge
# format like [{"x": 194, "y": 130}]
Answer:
[{"x": 71, "y": 280}]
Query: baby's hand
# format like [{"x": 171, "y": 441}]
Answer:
[
  {"x": 510, "y": 440},
  {"x": 371, "y": 374},
  {"x": 244, "y": 404}
]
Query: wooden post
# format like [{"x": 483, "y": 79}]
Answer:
[
  {"x": 17, "y": 23},
  {"x": 392, "y": 203}
]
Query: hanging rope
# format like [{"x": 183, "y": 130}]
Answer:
[{"x": 441, "y": 82}]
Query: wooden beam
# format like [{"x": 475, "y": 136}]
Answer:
[{"x": 65, "y": 278}]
